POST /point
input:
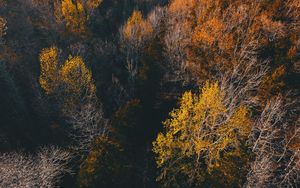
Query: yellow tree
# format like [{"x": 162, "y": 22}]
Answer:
[
  {"x": 74, "y": 15},
  {"x": 78, "y": 83},
  {"x": 71, "y": 82},
  {"x": 202, "y": 138},
  {"x": 3, "y": 27},
  {"x": 49, "y": 77}
]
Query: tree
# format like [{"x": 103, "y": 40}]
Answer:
[
  {"x": 134, "y": 35},
  {"x": 87, "y": 124},
  {"x": 92, "y": 4},
  {"x": 45, "y": 169},
  {"x": 204, "y": 37},
  {"x": 156, "y": 17},
  {"x": 201, "y": 136},
  {"x": 180, "y": 16},
  {"x": 77, "y": 81},
  {"x": 136, "y": 29},
  {"x": 273, "y": 139},
  {"x": 49, "y": 76},
  {"x": 71, "y": 83},
  {"x": 206, "y": 136},
  {"x": 73, "y": 88},
  {"x": 3, "y": 28},
  {"x": 273, "y": 83},
  {"x": 76, "y": 14},
  {"x": 103, "y": 166}
]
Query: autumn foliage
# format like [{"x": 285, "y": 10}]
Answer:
[
  {"x": 49, "y": 70},
  {"x": 149, "y": 93},
  {"x": 137, "y": 30},
  {"x": 72, "y": 79},
  {"x": 76, "y": 14},
  {"x": 198, "y": 140}
]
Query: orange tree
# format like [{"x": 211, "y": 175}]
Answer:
[{"x": 205, "y": 37}]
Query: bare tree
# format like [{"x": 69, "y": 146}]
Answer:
[
  {"x": 52, "y": 165},
  {"x": 276, "y": 164},
  {"x": 19, "y": 169},
  {"x": 156, "y": 17},
  {"x": 176, "y": 40},
  {"x": 241, "y": 84},
  {"x": 87, "y": 123}
]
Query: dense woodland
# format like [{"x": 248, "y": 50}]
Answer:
[{"x": 149, "y": 93}]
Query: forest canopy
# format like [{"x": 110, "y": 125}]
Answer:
[{"x": 149, "y": 93}]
